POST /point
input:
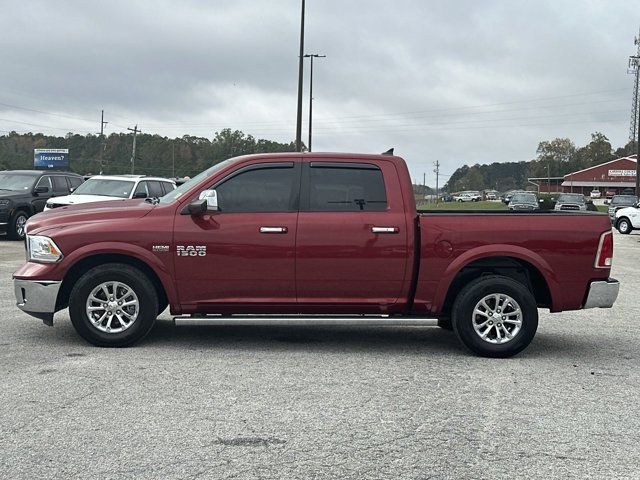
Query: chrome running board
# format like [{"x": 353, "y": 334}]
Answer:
[{"x": 255, "y": 320}]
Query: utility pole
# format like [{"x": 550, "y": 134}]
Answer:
[
  {"x": 173, "y": 159},
  {"x": 634, "y": 67},
  {"x": 300, "y": 77},
  {"x": 437, "y": 172},
  {"x": 635, "y": 101},
  {"x": 311, "y": 56},
  {"x": 424, "y": 186},
  {"x": 549, "y": 176},
  {"x": 133, "y": 151},
  {"x": 102, "y": 124}
]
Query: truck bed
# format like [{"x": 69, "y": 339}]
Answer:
[{"x": 560, "y": 246}]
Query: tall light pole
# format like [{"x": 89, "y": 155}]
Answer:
[
  {"x": 300, "y": 77},
  {"x": 311, "y": 56}
]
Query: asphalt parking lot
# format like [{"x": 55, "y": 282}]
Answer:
[{"x": 249, "y": 402}]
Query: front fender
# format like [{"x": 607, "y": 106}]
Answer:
[
  {"x": 130, "y": 250},
  {"x": 497, "y": 250}
]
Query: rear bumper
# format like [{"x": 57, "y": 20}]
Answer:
[
  {"x": 37, "y": 297},
  {"x": 602, "y": 294}
]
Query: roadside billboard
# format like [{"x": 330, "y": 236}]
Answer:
[{"x": 51, "y": 158}]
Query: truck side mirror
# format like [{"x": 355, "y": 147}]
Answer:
[
  {"x": 140, "y": 195},
  {"x": 207, "y": 203},
  {"x": 211, "y": 196},
  {"x": 41, "y": 189}
]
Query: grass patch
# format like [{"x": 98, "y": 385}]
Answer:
[{"x": 486, "y": 205}]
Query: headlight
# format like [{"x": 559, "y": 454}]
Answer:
[{"x": 42, "y": 249}]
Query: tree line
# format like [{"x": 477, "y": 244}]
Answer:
[
  {"x": 155, "y": 154},
  {"x": 555, "y": 158}
]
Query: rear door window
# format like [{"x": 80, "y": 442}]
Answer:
[
  {"x": 155, "y": 189},
  {"x": 168, "y": 187},
  {"x": 74, "y": 182},
  {"x": 345, "y": 187},
  {"x": 60, "y": 185}
]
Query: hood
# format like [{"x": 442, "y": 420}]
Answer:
[
  {"x": 11, "y": 194},
  {"x": 627, "y": 211},
  {"x": 103, "y": 211},
  {"x": 78, "y": 199}
]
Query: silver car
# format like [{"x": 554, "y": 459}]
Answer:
[{"x": 571, "y": 202}]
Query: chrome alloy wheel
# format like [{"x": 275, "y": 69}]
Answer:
[
  {"x": 112, "y": 307},
  {"x": 21, "y": 221},
  {"x": 623, "y": 226},
  {"x": 497, "y": 318}
]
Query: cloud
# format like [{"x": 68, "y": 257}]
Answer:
[{"x": 458, "y": 81}]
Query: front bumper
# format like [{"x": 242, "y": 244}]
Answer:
[
  {"x": 602, "y": 294},
  {"x": 37, "y": 297}
]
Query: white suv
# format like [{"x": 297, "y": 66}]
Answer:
[{"x": 102, "y": 188}]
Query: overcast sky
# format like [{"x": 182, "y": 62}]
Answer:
[{"x": 454, "y": 81}]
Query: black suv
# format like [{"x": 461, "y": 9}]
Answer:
[{"x": 24, "y": 192}]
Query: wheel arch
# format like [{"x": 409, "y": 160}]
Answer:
[
  {"x": 82, "y": 265},
  {"x": 523, "y": 267}
]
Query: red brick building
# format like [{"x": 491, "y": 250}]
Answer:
[{"x": 615, "y": 175}]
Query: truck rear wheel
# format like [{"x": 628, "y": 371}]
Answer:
[
  {"x": 495, "y": 316},
  {"x": 113, "y": 305}
]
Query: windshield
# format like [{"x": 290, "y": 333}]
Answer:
[
  {"x": 14, "y": 182},
  {"x": 186, "y": 186},
  {"x": 105, "y": 188},
  {"x": 575, "y": 198},
  {"x": 624, "y": 200},
  {"x": 524, "y": 198}
]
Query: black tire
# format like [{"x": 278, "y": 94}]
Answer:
[
  {"x": 624, "y": 226},
  {"x": 463, "y": 316},
  {"x": 119, "y": 272},
  {"x": 16, "y": 225}
]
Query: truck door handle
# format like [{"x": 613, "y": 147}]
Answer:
[
  {"x": 385, "y": 229},
  {"x": 274, "y": 229}
]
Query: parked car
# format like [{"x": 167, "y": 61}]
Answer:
[
  {"x": 101, "y": 188},
  {"x": 468, "y": 197},
  {"x": 491, "y": 196},
  {"x": 508, "y": 195},
  {"x": 619, "y": 202},
  {"x": 628, "y": 219},
  {"x": 609, "y": 194},
  {"x": 524, "y": 201},
  {"x": 446, "y": 198},
  {"x": 571, "y": 201},
  {"x": 312, "y": 239},
  {"x": 628, "y": 191},
  {"x": 23, "y": 193},
  {"x": 595, "y": 194}
]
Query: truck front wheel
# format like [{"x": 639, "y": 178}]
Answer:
[
  {"x": 624, "y": 226},
  {"x": 113, "y": 305},
  {"x": 495, "y": 316}
]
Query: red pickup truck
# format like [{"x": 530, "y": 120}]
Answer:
[{"x": 323, "y": 239}]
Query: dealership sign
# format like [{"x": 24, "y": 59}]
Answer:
[
  {"x": 622, "y": 173},
  {"x": 51, "y": 158}
]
